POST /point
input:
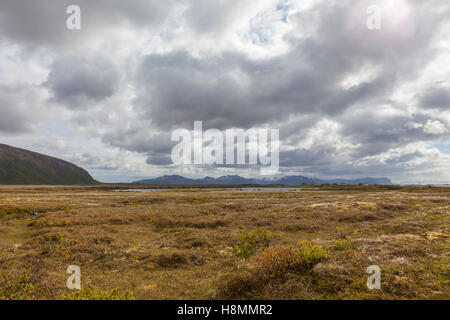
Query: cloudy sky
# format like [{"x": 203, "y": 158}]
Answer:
[{"x": 349, "y": 101}]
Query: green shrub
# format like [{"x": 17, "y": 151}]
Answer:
[
  {"x": 16, "y": 287},
  {"x": 92, "y": 293},
  {"x": 310, "y": 254},
  {"x": 60, "y": 244},
  {"x": 250, "y": 242}
]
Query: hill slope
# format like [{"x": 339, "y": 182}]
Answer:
[{"x": 19, "y": 166}]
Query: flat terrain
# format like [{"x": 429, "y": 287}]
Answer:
[{"x": 189, "y": 244}]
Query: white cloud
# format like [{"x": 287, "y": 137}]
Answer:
[{"x": 435, "y": 127}]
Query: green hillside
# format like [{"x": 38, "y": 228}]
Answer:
[{"x": 19, "y": 166}]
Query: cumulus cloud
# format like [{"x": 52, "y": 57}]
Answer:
[
  {"x": 435, "y": 127},
  {"x": 348, "y": 100},
  {"x": 75, "y": 82}
]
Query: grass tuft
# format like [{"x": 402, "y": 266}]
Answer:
[{"x": 279, "y": 261}]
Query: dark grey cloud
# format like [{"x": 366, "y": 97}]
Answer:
[
  {"x": 42, "y": 23},
  {"x": 320, "y": 156},
  {"x": 377, "y": 133},
  {"x": 436, "y": 98},
  {"x": 176, "y": 89},
  {"x": 156, "y": 146},
  {"x": 159, "y": 159},
  {"x": 75, "y": 82}
]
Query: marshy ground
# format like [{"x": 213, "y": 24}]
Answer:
[{"x": 220, "y": 244}]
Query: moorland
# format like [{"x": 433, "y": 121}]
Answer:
[{"x": 224, "y": 244}]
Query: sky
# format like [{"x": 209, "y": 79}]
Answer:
[{"x": 348, "y": 100}]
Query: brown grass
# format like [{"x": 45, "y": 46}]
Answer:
[{"x": 180, "y": 244}]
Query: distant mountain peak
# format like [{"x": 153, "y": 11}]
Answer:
[{"x": 238, "y": 180}]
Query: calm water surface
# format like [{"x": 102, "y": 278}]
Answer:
[{"x": 233, "y": 189}]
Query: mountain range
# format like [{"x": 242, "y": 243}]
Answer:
[
  {"x": 20, "y": 166},
  {"x": 238, "y": 180}
]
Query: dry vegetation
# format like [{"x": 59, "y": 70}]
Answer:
[{"x": 214, "y": 244}]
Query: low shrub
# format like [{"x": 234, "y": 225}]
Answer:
[
  {"x": 238, "y": 285},
  {"x": 60, "y": 244},
  {"x": 174, "y": 260},
  {"x": 16, "y": 287},
  {"x": 92, "y": 293},
  {"x": 272, "y": 265},
  {"x": 341, "y": 244},
  {"x": 48, "y": 224},
  {"x": 250, "y": 242},
  {"x": 279, "y": 261},
  {"x": 11, "y": 212},
  {"x": 159, "y": 224}
]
